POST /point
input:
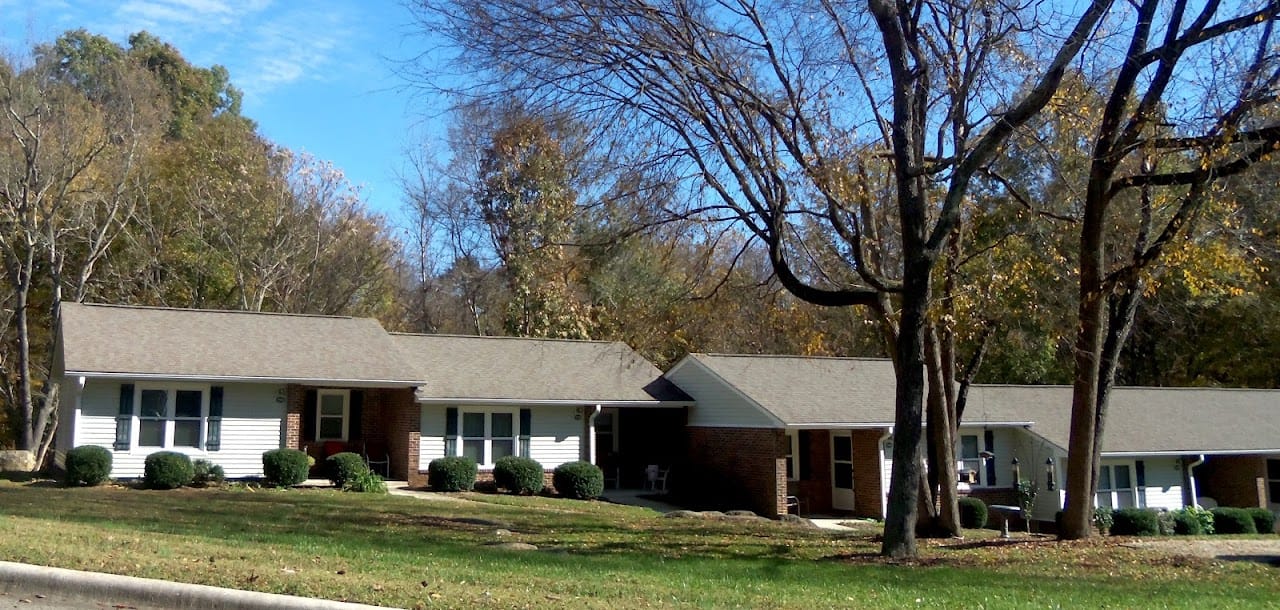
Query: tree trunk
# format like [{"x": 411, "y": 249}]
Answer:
[{"x": 942, "y": 471}]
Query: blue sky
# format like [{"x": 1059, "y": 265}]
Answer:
[{"x": 318, "y": 76}]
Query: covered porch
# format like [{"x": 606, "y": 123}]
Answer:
[{"x": 374, "y": 422}]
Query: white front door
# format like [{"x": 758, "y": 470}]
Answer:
[{"x": 841, "y": 470}]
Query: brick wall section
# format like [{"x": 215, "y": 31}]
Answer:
[
  {"x": 1234, "y": 480},
  {"x": 295, "y": 399},
  {"x": 745, "y": 465},
  {"x": 399, "y": 429},
  {"x": 868, "y": 492}
]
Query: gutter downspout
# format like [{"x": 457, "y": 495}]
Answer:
[
  {"x": 1191, "y": 479},
  {"x": 591, "y": 433},
  {"x": 884, "y": 489}
]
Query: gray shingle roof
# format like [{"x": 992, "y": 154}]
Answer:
[
  {"x": 802, "y": 390},
  {"x": 806, "y": 391},
  {"x": 191, "y": 343},
  {"x": 509, "y": 368}
]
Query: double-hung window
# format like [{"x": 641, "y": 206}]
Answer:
[
  {"x": 171, "y": 417},
  {"x": 970, "y": 458},
  {"x": 488, "y": 435},
  {"x": 333, "y": 412},
  {"x": 793, "y": 454},
  {"x": 1116, "y": 487}
]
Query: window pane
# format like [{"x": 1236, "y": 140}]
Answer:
[
  {"x": 501, "y": 423},
  {"x": 473, "y": 424},
  {"x": 474, "y": 449},
  {"x": 187, "y": 403},
  {"x": 842, "y": 448},
  {"x": 1273, "y": 488},
  {"x": 969, "y": 447},
  {"x": 502, "y": 449},
  {"x": 331, "y": 427},
  {"x": 1124, "y": 499},
  {"x": 1122, "y": 477},
  {"x": 150, "y": 433},
  {"x": 186, "y": 433},
  {"x": 843, "y": 476},
  {"x": 1273, "y": 469},
  {"x": 331, "y": 404},
  {"x": 1104, "y": 479},
  {"x": 153, "y": 403},
  {"x": 1103, "y": 499}
]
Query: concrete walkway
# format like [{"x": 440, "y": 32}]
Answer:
[{"x": 31, "y": 586}]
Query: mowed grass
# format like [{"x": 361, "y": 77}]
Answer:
[{"x": 413, "y": 552}]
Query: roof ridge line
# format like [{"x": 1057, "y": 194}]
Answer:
[{"x": 227, "y": 311}]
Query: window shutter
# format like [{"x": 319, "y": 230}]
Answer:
[
  {"x": 451, "y": 431},
  {"x": 213, "y": 437},
  {"x": 355, "y": 425},
  {"x": 802, "y": 460},
  {"x": 989, "y": 441},
  {"x": 309, "y": 417},
  {"x": 124, "y": 419},
  {"x": 526, "y": 426},
  {"x": 1140, "y": 473}
]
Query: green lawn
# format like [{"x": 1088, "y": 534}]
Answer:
[{"x": 433, "y": 553}]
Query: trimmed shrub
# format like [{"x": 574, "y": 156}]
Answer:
[
  {"x": 342, "y": 467},
  {"x": 207, "y": 474},
  {"x": 1135, "y": 522},
  {"x": 1227, "y": 520},
  {"x": 579, "y": 480},
  {"x": 285, "y": 467},
  {"x": 518, "y": 475},
  {"x": 1203, "y": 521},
  {"x": 167, "y": 470},
  {"x": 1165, "y": 521},
  {"x": 451, "y": 474},
  {"x": 88, "y": 465},
  {"x": 1186, "y": 524},
  {"x": 973, "y": 513},
  {"x": 1263, "y": 520}
]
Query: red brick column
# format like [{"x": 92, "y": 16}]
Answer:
[
  {"x": 868, "y": 488},
  {"x": 295, "y": 400},
  {"x": 402, "y": 422}
]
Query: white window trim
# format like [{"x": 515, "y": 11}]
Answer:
[
  {"x": 1139, "y": 493},
  {"x": 346, "y": 413},
  {"x": 488, "y": 432},
  {"x": 960, "y": 459},
  {"x": 793, "y": 454},
  {"x": 170, "y": 416}
]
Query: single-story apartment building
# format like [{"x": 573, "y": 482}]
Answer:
[
  {"x": 764, "y": 429},
  {"x": 227, "y": 386}
]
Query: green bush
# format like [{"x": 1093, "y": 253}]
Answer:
[
  {"x": 451, "y": 474},
  {"x": 1192, "y": 521},
  {"x": 88, "y": 465},
  {"x": 973, "y": 513},
  {"x": 366, "y": 482},
  {"x": 1135, "y": 522},
  {"x": 342, "y": 467},
  {"x": 207, "y": 474},
  {"x": 1227, "y": 520},
  {"x": 580, "y": 480},
  {"x": 167, "y": 470},
  {"x": 518, "y": 475},
  {"x": 1263, "y": 520},
  {"x": 1103, "y": 518},
  {"x": 285, "y": 467}
]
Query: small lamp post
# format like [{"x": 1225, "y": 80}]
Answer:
[
  {"x": 1050, "y": 474},
  {"x": 1017, "y": 473}
]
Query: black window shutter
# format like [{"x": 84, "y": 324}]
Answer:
[
  {"x": 451, "y": 431},
  {"x": 1140, "y": 472},
  {"x": 124, "y": 419},
  {"x": 213, "y": 438},
  {"x": 989, "y": 441},
  {"x": 526, "y": 427},
  {"x": 802, "y": 460},
  {"x": 355, "y": 427},
  {"x": 309, "y": 417}
]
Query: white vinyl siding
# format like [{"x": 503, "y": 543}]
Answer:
[
  {"x": 556, "y": 438},
  {"x": 718, "y": 404},
  {"x": 1163, "y": 483},
  {"x": 252, "y": 423}
]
